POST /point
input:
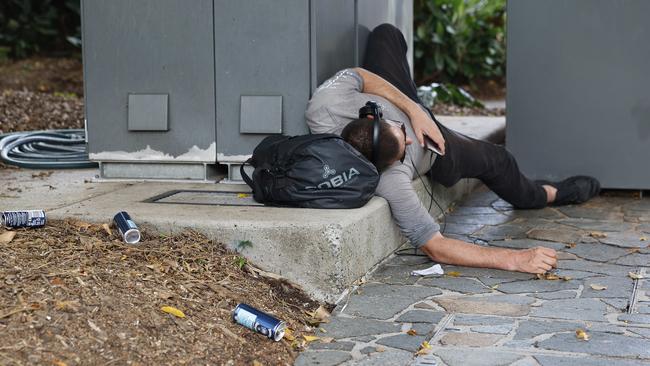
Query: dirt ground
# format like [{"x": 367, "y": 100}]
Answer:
[{"x": 71, "y": 294}]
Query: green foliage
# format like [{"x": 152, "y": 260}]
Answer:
[
  {"x": 459, "y": 40},
  {"x": 448, "y": 94},
  {"x": 240, "y": 262},
  {"x": 30, "y": 27},
  {"x": 243, "y": 244}
]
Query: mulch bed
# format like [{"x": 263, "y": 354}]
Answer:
[
  {"x": 72, "y": 293},
  {"x": 29, "y": 111}
]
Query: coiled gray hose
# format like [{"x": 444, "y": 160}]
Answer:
[{"x": 53, "y": 149}]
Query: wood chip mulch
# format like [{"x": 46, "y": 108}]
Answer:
[{"x": 71, "y": 293}]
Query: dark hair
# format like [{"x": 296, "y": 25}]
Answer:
[{"x": 358, "y": 133}]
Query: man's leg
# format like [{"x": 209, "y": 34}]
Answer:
[
  {"x": 493, "y": 164},
  {"x": 386, "y": 57},
  {"x": 465, "y": 157}
]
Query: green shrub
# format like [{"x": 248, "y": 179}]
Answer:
[
  {"x": 459, "y": 40},
  {"x": 30, "y": 27}
]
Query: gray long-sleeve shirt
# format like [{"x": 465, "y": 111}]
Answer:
[{"x": 334, "y": 104}]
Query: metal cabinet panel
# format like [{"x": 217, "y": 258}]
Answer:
[
  {"x": 262, "y": 48},
  {"x": 578, "y": 100},
  {"x": 149, "y": 47}
]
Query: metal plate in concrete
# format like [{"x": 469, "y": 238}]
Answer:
[{"x": 217, "y": 198}]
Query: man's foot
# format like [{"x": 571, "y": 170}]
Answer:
[{"x": 574, "y": 190}]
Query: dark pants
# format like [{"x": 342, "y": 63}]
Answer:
[{"x": 465, "y": 157}]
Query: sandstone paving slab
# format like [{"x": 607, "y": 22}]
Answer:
[
  {"x": 585, "y": 361},
  {"x": 364, "y": 339},
  {"x": 423, "y": 329},
  {"x": 408, "y": 260},
  {"x": 616, "y": 287},
  {"x": 340, "y": 327},
  {"x": 635, "y": 259},
  {"x": 643, "y": 308},
  {"x": 501, "y": 232},
  {"x": 464, "y": 229},
  {"x": 619, "y": 304},
  {"x": 494, "y": 283},
  {"x": 572, "y": 309},
  {"x": 635, "y": 318},
  {"x": 479, "y": 219},
  {"x": 536, "y": 286},
  {"x": 322, "y": 358},
  {"x": 575, "y": 275},
  {"x": 606, "y": 344},
  {"x": 397, "y": 275},
  {"x": 480, "y": 198},
  {"x": 473, "y": 210},
  {"x": 388, "y": 357},
  {"x": 638, "y": 205},
  {"x": 555, "y": 295},
  {"x": 470, "y": 339},
  {"x": 626, "y": 239},
  {"x": 486, "y": 307},
  {"x": 381, "y": 301},
  {"x": 644, "y": 332},
  {"x": 526, "y": 243},
  {"x": 585, "y": 212},
  {"x": 464, "y": 319},
  {"x": 334, "y": 346},
  {"x": 597, "y": 252},
  {"x": 532, "y": 328},
  {"x": 555, "y": 235},
  {"x": 493, "y": 329},
  {"x": 593, "y": 267},
  {"x": 644, "y": 228},
  {"x": 547, "y": 213},
  {"x": 403, "y": 341},
  {"x": 598, "y": 225},
  {"x": 528, "y": 361},
  {"x": 457, "y": 284},
  {"x": 486, "y": 272},
  {"x": 479, "y": 357},
  {"x": 420, "y": 316}
]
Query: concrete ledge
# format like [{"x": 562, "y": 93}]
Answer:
[{"x": 324, "y": 251}]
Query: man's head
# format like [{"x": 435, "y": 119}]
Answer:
[{"x": 392, "y": 140}]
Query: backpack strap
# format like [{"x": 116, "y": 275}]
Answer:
[{"x": 245, "y": 176}]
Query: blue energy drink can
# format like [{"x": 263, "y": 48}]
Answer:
[
  {"x": 127, "y": 228},
  {"x": 30, "y": 218},
  {"x": 259, "y": 321}
]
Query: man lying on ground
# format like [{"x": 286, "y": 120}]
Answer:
[{"x": 385, "y": 78}]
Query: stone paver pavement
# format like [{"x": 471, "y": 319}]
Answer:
[{"x": 486, "y": 317}]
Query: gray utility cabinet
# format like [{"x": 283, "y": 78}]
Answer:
[
  {"x": 174, "y": 87},
  {"x": 578, "y": 89}
]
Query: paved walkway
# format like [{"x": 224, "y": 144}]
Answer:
[{"x": 490, "y": 317}]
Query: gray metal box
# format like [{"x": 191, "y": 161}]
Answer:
[
  {"x": 220, "y": 63},
  {"x": 578, "y": 100}
]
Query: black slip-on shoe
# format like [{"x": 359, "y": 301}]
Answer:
[{"x": 573, "y": 190}]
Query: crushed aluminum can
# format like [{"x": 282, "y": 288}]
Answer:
[
  {"x": 27, "y": 218},
  {"x": 259, "y": 321},
  {"x": 127, "y": 228}
]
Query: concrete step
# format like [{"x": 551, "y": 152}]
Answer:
[{"x": 324, "y": 251}]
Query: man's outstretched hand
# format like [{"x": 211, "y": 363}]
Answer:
[
  {"x": 424, "y": 125},
  {"x": 534, "y": 260}
]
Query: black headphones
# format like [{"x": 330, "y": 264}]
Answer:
[{"x": 373, "y": 109}]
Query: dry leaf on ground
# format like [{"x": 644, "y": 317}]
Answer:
[
  {"x": 107, "y": 229},
  {"x": 7, "y": 237},
  {"x": 425, "y": 349},
  {"x": 635, "y": 276},
  {"x": 598, "y": 287},
  {"x": 412, "y": 332},
  {"x": 598, "y": 234},
  {"x": 581, "y": 334},
  {"x": 453, "y": 274},
  {"x": 310, "y": 338},
  {"x": 173, "y": 311}
]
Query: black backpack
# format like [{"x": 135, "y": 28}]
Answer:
[{"x": 312, "y": 171}]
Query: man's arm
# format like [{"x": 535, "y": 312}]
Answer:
[
  {"x": 420, "y": 120},
  {"x": 457, "y": 252}
]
